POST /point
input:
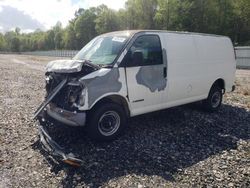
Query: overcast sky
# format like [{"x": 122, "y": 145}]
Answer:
[{"x": 32, "y": 14}]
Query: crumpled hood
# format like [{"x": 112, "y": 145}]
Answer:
[{"x": 64, "y": 66}]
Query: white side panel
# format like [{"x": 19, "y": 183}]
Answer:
[
  {"x": 217, "y": 56},
  {"x": 194, "y": 63},
  {"x": 182, "y": 72}
]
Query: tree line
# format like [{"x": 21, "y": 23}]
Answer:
[{"x": 223, "y": 17}]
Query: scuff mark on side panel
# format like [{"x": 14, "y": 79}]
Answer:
[
  {"x": 151, "y": 77},
  {"x": 100, "y": 85}
]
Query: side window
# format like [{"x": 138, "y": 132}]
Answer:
[{"x": 146, "y": 50}]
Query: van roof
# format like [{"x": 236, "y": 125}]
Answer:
[{"x": 131, "y": 32}]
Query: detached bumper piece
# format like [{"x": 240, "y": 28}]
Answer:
[{"x": 51, "y": 147}]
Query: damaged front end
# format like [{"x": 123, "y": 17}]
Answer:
[
  {"x": 63, "y": 107},
  {"x": 64, "y": 95}
]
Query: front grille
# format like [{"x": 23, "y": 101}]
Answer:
[{"x": 66, "y": 98}]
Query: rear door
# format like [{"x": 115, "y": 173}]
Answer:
[{"x": 146, "y": 74}]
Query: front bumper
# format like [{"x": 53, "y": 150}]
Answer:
[
  {"x": 66, "y": 117},
  {"x": 59, "y": 114},
  {"x": 53, "y": 149}
]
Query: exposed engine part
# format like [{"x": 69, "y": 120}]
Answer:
[
  {"x": 68, "y": 97},
  {"x": 73, "y": 93}
]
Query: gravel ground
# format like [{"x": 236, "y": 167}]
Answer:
[{"x": 178, "y": 147}]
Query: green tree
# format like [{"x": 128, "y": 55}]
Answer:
[
  {"x": 242, "y": 22},
  {"x": 15, "y": 44},
  {"x": 106, "y": 20},
  {"x": 122, "y": 19},
  {"x": 49, "y": 40},
  {"x": 69, "y": 37},
  {"x": 84, "y": 27},
  {"x": 9, "y": 36},
  {"x": 167, "y": 16},
  {"x": 141, "y": 13},
  {"x": 3, "y": 45},
  {"x": 58, "y": 32}
]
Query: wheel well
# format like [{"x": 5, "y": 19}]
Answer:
[
  {"x": 115, "y": 99},
  {"x": 221, "y": 83}
]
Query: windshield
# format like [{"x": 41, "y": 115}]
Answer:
[{"x": 102, "y": 50}]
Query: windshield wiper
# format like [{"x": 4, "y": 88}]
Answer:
[
  {"x": 92, "y": 64},
  {"x": 106, "y": 66}
]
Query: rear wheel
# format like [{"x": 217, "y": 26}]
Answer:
[
  {"x": 106, "y": 122},
  {"x": 214, "y": 99}
]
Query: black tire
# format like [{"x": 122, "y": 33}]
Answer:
[
  {"x": 214, "y": 99},
  {"x": 102, "y": 122}
]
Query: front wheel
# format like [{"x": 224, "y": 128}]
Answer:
[
  {"x": 106, "y": 122},
  {"x": 214, "y": 99}
]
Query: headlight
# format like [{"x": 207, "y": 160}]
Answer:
[
  {"x": 82, "y": 97},
  {"x": 77, "y": 93}
]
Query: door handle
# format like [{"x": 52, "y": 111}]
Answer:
[{"x": 165, "y": 72}]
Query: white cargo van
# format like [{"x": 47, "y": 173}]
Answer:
[{"x": 123, "y": 74}]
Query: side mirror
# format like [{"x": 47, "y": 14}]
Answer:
[{"x": 137, "y": 58}]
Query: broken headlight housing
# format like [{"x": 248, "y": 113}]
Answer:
[
  {"x": 76, "y": 93},
  {"x": 82, "y": 97}
]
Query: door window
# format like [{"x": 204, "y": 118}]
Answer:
[{"x": 146, "y": 50}]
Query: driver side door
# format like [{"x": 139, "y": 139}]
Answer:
[{"x": 145, "y": 74}]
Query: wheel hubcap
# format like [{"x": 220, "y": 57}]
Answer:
[
  {"x": 109, "y": 123},
  {"x": 215, "y": 100}
]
